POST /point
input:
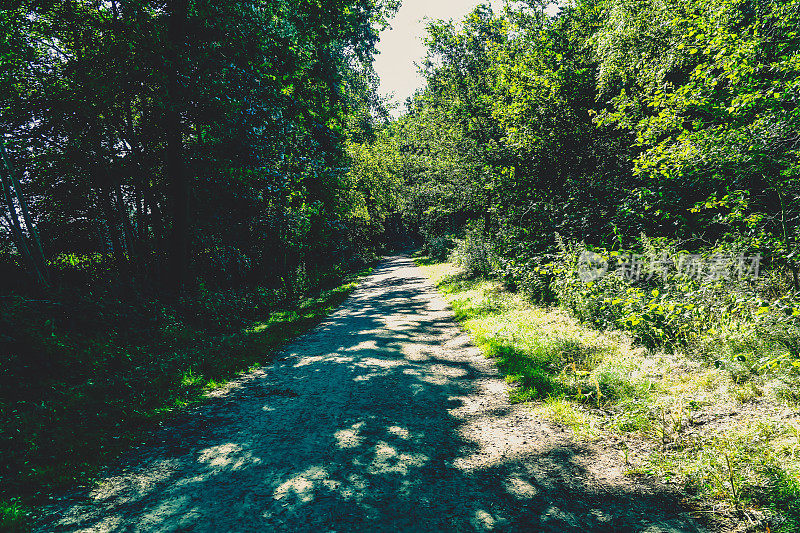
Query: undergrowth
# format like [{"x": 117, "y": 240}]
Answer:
[
  {"x": 85, "y": 375},
  {"x": 695, "y": 413}
]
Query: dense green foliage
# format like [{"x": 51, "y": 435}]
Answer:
[
  {"x": 181, "y": 188},
  {"x": 608, "y": 120},
  {"x": 663, "y": 131},
  {"x": 196, "y": 140},
  {"x": 654, "y": 142}
]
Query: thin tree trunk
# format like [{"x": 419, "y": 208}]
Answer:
[
  {"x": 148, "y": 208},
  {"x": 17, "y": 234},
  {"x": 104, "y": 202},
  {"x": 16, "y": 227},
  {"x": 127, "y": 229},
  {"x": 148, "y": 200},
  {"x": 786, "y": 238},
  {"x": 141, "y": 230},
  {"x": 36, "y": 252}
]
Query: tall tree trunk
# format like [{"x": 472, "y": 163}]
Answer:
[
  {"x": 16, "y": 228},
  {"x": 149, "y": 214},
  {"x": 175, "y": 164},
  {"x": 107, "y": 208},
  {"x": 128, "y": 235},
  {"x": 103, "y": 182},
  {"x": 149, "y": 209},
  {"x": 141, "y": 229}
]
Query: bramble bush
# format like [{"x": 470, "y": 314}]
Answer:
[
  {"x": 530, "y": 277},
  {"x": 733, "y": 322}
]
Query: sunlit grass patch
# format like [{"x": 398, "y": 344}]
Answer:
[
  {"x": 13, "y": 517},
  {"x": 437, "y": 272},
  {"x": 571, "y": 415},
  {"x": 708, "y": 416},
  {"x": 544, "y": 351}
]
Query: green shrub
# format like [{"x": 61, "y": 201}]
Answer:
[
  {"x": 475, "y": 253},
  {"x": 530, "y": 277},
  {"x": 438, "y": 247}
]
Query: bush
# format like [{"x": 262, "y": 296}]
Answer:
[
  {"x": 726, "y": 321},
  {"x": 13, "y": 517},
  {"x": 438, "y": 247},
  {"x": 529, "y": 277},
  {"x": 475, "y": 253}
]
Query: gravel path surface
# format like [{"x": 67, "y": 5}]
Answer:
[{"x": 383, "y": 418}]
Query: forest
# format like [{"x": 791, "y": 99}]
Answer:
[{"x": 187, "y": 184}]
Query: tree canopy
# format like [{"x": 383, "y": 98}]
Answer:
[
  {"x": 187, "y": 138},
  {"x": 607, "y": 120}
]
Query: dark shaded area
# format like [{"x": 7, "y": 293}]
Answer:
[{"x": 85, "y": 372}]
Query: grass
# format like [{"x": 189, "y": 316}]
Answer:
[
  {"x": 13, "y": 516},
  {"x": 730, "y": 439},
  {"x": 85, "y": 378}
]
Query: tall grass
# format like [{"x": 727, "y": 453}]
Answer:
[{"x": 702, "y": 408}]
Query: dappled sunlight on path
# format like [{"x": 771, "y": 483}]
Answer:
[{"x": 383, "y": 418}]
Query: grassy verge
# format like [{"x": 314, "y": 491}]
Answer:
[
  {"x": 85, "y": 379},
  {"x": 732, "y": 443}
]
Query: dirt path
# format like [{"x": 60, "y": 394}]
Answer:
[{"x": 383, "y": 418}]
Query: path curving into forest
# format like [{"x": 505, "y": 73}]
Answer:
[{"x": 383, "y": 418}]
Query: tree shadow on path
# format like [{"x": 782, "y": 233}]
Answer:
[{"x": 383, "y": 418}]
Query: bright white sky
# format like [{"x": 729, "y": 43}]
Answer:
[{"x": 401, "y": 45}]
